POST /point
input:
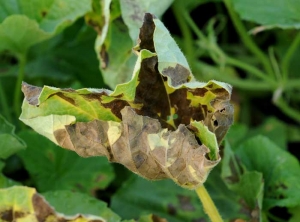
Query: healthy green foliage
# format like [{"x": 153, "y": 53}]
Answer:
[
  {"x": 276, "y": 13},
  {"x": 9, "y": 142}
]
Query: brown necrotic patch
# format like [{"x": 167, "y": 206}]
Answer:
[
  {"x": 183, "y": 109},
  {"x": 31, "y": 93},
  {"x": 146, "y": 33},
  {"x": 66, "y": 98},
  {"x": 151, "y": 93},
  {"x": 104, "y": 57},
  {"x": 6, "y": 215},
  {"x": 178, "y": 74},
  {"x": 116, "y": 106},
  {"x": 41, "y": 208},
  {"x": 199, "y": 92},
  {"x": 221, "y": 93}
]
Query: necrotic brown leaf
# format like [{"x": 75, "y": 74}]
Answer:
[{"x": 161, "y": 124}]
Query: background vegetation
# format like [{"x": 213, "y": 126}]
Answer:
[{"x": 253, "y": 45}]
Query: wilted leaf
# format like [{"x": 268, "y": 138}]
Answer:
[
  {"x": 275, "y": 13},
  {"x": 9, "y": 142},
  {"x": 23, "y": 203},
  {"x": 281, "y": 171},
  {"x": 115, "y": 39},
  {"x": 53, "y": 168},
  {"x": 147, "y": 124}
]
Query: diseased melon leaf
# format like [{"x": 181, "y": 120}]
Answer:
[
  {"x": 21, "y": 203},
  {"x": 160, "y": 124}
]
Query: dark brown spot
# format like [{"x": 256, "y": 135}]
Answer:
[
  {"x": 221, "y": 93},
  {"x": 7, "y": 215},
  {"x": 116, "y": 106},
  {"x": 44, "y": 13},
  {"x": 158, "y": 219},
  {"x": 171, "y": 209},
  {"x": 61, "y": 95},
  {"x": 185, "y": 203},
  {"x": 19, "y": 214},
  {"x": 199, "y": 92},
  {"x": 139, "y": 158},
  {"x": 104, "y": 57}
]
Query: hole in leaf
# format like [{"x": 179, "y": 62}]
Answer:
[{"x": 216, "y": 123}]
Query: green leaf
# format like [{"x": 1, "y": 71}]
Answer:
[
  {"x": 53, "y": 168},
  {"x": 20, "y": 203},
  {"x": 51, "y": 15},
  {"x": 274, "y": 129},
  {"x": 115, "y": 55},
  {"x": 169, "y": 201},
  {"x": 133, "y": 12},
  {"x": 162, "y": 198},
  {"x": 281, "y": 171},
  {"x": 72, "y": 203},
  {"x": 192, "y": 4},
  {"x": 249, "y": 185},
  {"x": 236, "y": 134},
  {"x": 25, "y": 33},
  {"x": 295, "y": 212},
  {"x": 36, "y": 21},
  {"x": 4, "y": 181},
  {"x": 9, "y": 142},
  {"x": 276, "y": 13}
]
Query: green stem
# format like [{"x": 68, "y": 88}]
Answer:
[
  {"x": 251, "y": 69},
  {"x": 4, "y": 104},
  {"x": 247, "y": 39},
  {"x": 194, "y": 27},
  {"x": 208, "y": 205},
  {"x": 212, "y": 72},
  {"x": 292, "y": 83},
  {"x": 178, "y": 9},
  {"x": 287, "y": 110},
  {"x": 288, "y": 56},
  {"x": 17, "y": 95},
  {"x": 275, "y": 65}
]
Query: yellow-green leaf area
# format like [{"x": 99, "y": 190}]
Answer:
[
  {"x": 85, "y": 107},
  {"x": 128, "y": 90},
  {"x": 207, "y": 138}
]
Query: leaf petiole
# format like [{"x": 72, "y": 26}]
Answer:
[
  {"x": 208, "y": 205},
  {"x": 21, "y": 73}
]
